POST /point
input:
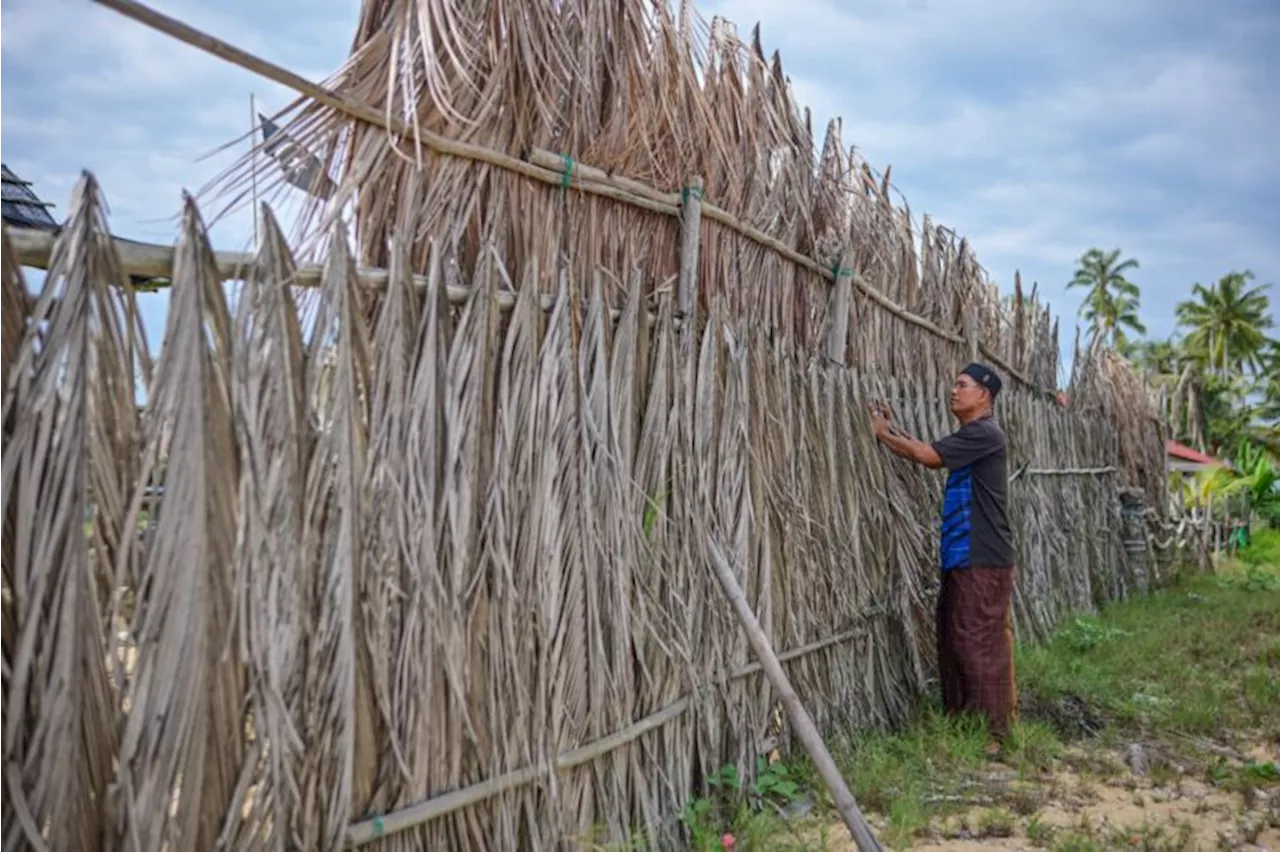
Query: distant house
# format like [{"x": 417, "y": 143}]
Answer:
[
  {"x": 22, "y": 207},
  {"x": 1180, "y": 458}
]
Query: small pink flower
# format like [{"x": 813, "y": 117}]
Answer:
[{"x": 727, "y": 841}]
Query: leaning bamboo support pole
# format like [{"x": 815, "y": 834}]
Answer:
[
  {"x": 804, "y": 726},
  {"x": 690, "y": 240},
  {"x": 444, "y": 145},
  {"x": 837, "y": 342}
]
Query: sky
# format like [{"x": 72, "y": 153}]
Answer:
[{"x": 1035, "y": 129}]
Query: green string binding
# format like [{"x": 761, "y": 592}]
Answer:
[
  {"x": 839, "y": 270},
  {"x": 568, "y": 171},
  {"x": 378, "y": 828},
  {"x": 688, "y": 192}
]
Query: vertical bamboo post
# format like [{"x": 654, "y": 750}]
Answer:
[
  {"x": 972, "y": 335},
  {"x": 800, "y": 719},
  {"x": 690, "y": 232},
  {"x": 838, "y": 310}
]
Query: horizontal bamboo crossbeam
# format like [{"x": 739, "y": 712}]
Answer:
[
  {"x": 1062, "y": 471},
  {"x": 374, "y": 828},
  {"x": 34, "y": 248},
  {"x": 562, "y": 171}
]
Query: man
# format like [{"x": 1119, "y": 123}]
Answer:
[{"x": 975, "y": 629}]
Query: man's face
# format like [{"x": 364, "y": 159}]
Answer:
[{"x": 967, "y": 395}]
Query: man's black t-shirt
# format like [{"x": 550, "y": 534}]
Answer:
[{"x": 975, "y": 516}]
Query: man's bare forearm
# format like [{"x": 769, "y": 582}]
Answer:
[{"x": 902, "y": 444}]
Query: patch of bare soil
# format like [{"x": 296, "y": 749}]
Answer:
[{"x": 1100, "y": 800}]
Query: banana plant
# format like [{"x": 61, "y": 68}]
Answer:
[{"x": 1259, "y": 479}]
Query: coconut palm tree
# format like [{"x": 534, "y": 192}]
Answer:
[
  {"x": 1269, "y": 385},
  {"x": 1157, "y": 358},
  {"x": 1227, "y": 324},
  {"x": 1111, "y": 300}
]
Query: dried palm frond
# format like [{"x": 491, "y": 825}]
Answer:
[
  {"x": 560, "y": 608},
  {"x": 388, "y": 602},
  {"x": 66, "y": 463},
  {"x": 274, "y": 439},
  {"x": 339, "y": 761},
  {"x": 177, "y": 779},
  {"x": 17, "y": 306},
  {"x": 511, "y": 550}
]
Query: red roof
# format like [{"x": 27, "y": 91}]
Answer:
[{"x": 1181, "y": 451}]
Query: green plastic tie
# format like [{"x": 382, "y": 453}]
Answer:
[
  {"x": 839, "y": 271},
  {"x": 568, "y": 171},
  {"x": 690, "y": 192},
  {"x": 378, "y": 828}
]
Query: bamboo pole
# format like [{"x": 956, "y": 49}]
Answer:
[
  {"x": 1008, "y": 369},
  {"x": 690, "y": 240},
  {"x": 804, "y": 726},
  {"x": 374, "y": 828},
  {"x": 444, "y": 145},
  {"x": 838, "y": 312},
  {"x": 590, "y": 174},
  {"x": 34, "y": 248},
  {"x": 1062, "y": 471}
]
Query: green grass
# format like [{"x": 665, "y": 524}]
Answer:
[
  {"x": 1149, "y": 837},
  {"x": 1264, "y": 551},
  {"x": 1197, "y": 660}
]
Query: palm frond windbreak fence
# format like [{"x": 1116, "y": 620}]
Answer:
[
  {"x": 567, "y": 137},
  {"x": 433, "y": 575}
]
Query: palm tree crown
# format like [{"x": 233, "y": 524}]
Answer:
[
  {"x": 1227, "y": 323},
  {"x": 1111, "y": 301}
]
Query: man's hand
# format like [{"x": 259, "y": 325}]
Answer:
[
  {"x": 899, "y": 442},
  {"x": 881, "y": 417}
]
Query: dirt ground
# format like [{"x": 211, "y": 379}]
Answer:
[{"x": 1094, "y": 799}]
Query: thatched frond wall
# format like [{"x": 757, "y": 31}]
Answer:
[
  {"x": 424, "y": 564},
  {"x": 646, "y": 96},
  {"x": 458, "y": 551}
]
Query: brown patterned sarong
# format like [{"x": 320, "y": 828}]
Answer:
[{"x": 975, "y": 645}]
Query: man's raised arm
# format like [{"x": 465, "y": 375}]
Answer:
[{"x": 900, "y": 443}]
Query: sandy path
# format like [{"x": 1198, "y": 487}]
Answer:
[{"x": 1093, "y": 798}]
